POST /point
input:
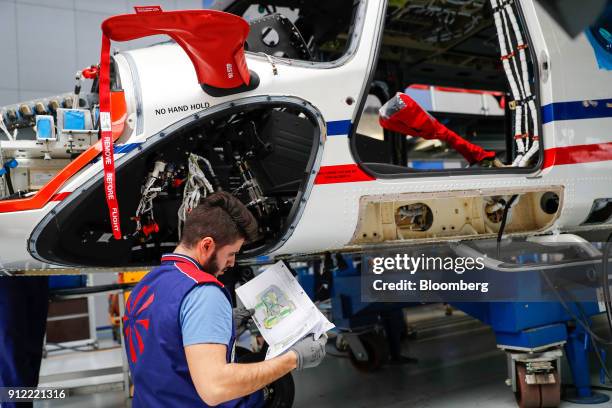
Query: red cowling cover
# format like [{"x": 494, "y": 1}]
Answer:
[
  {"x": 213, "y": 40},
  {"x": 407, "y": 117}
]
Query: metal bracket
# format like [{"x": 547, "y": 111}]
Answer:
[{"x": 356, "y": 346}]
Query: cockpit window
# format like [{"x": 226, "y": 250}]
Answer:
[
  {"x": 308, "y": 31},
  {"x": 456, "y": 90}
]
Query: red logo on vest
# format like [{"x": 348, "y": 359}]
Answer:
[{"x": 131, "y": 321}]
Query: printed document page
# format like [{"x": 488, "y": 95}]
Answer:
[{"x": 284, "y": 313}]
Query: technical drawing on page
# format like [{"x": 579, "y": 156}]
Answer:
[
  {"x": 275, "y": 304},
  {"x": 284, "y": 314}
]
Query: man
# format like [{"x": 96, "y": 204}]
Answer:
[
  {"x": 24, "y": 302},
  {"x": 179, "y": 331}
]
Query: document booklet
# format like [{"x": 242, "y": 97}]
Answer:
[{"x": 284, "y": 314}]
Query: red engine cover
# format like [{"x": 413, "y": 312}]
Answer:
[
  {"x": 213, "y": 40},
  {"x": 407, "y": 117}
]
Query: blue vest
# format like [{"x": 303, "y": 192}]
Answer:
[{"x": 153, "y": 339}]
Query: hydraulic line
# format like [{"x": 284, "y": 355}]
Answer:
[
  {"x": 595, "y": 345},
  {"x": 584, "y": 325},
  {"x": 583, "y": 321},
  {"x": 502, "y": 226}
]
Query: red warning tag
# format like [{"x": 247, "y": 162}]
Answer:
[
  {"x": 147, "y": 9},
  {"x": 341, "y": 173},
  {"x": 108, "y": 155}
]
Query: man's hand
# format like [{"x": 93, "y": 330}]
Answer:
[
  {"x": 241, "y": 317},
  {"x": 492, "y": 162},
  {"x": 310, "y": 352}
]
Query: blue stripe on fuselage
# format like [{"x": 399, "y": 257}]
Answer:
[{"x": 575, "y": 110}]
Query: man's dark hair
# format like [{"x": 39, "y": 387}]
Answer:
[{"x": 222, "y": 217}]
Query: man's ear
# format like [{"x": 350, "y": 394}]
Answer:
[{"x": 207, "y": 246}]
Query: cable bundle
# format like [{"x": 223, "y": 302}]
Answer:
[
  {"x": 197, "y": 187},
  {"x": 526, "y": 116}
]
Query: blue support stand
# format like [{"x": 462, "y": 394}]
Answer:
[
  {"x": 534, "y": 325},
  {"x": 576, "y": 350}
]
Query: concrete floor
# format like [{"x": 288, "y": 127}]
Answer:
[{"x": 459, "y": 366}]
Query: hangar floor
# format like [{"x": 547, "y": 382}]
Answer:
[{"x": 459, "y": 366}]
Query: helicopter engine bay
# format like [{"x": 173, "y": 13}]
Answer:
[{"x": 260, "y": 154}]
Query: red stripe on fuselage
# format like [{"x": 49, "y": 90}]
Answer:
[
  {"x": 559, "y": 156},
  {"x": 343, "y": 173}
]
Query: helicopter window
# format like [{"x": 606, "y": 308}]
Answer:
[
  {"x": 444, "y": 57},
  {"x": 478, "y": 116},
  {"x": 309, "y": 31}
]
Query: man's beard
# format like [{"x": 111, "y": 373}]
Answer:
[{"x": 212, "y": 265}]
